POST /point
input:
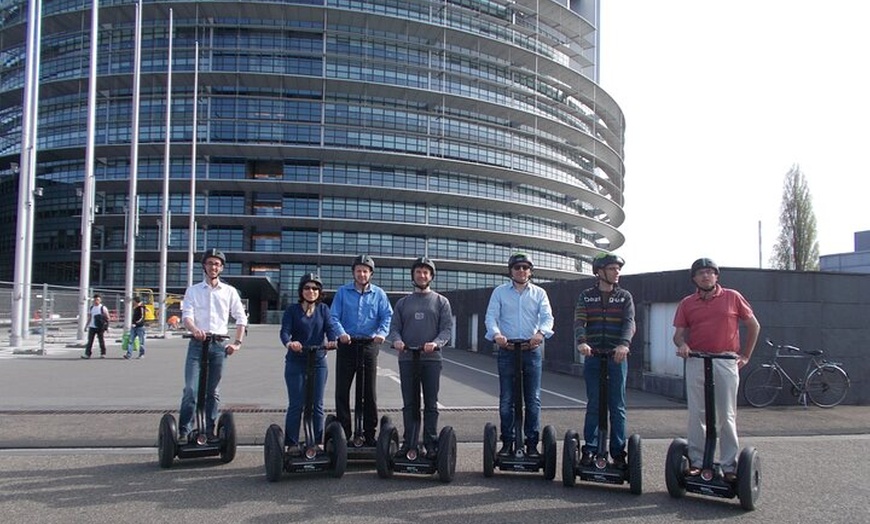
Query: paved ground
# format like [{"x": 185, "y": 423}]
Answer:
[{"x": 56, "y": 399}]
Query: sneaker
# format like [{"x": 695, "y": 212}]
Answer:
[
  {"x": 730, "y": 477},
  {"x": 619, "y": 460},
  {"x": 86, "y": 357},
  {"x": 506, "y": 449},
  {"x": 586, "y": 458},
  {"x": 532, "y": 451},
  {"x": 140, "y": 357},
  {"x": 293, "y": 449},
  {"x": 182, "y": 436},
  {"x": 127, "y": 356},
  {"x": 693, "y": 471},
  {"x": 102, "y": 356}
]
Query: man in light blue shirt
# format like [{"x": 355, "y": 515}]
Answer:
[
  {"x": 362, "y": 314},
  {"x": 519, "y": 310}
]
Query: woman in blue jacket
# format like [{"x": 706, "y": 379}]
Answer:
[{"x": 306, "y": 323}]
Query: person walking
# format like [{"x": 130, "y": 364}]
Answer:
[
  {"x": 305, "y": 323},
  {"x": 97, "y": 325},
  {"x": 604, "y": 321},
  {"x": 708, "y": 321},
  {"x": 423, "y": 320},
  {"x": 206, "y": 311},
  {"x": 360, "y": 310},
  {"x": 137, "y": 329},
  {"x": 519, "y": 310}
]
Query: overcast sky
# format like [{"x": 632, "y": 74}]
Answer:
[{"x": 720, "y": 100}]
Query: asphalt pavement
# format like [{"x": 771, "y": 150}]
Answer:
[{"x": 50, "y": 397}]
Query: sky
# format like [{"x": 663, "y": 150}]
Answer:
[{"x": 721, "y": 99}]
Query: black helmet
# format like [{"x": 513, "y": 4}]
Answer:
[
  {"x": 214, "y": 253},
  {"x": 309, "y": 277},
  {"x": 363, "y": 260},
  {"x": 519, "y": 258},
  {"x": 423, "y": 261},
  {"x": 703, "y": 263},
  {"x": 603, "y": 260}
]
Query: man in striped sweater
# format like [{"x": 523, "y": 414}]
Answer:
[{"x": 604, "y": 320}]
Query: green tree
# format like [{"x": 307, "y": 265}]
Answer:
[{"x": 797, "y": 246}]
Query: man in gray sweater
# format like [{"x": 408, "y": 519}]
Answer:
[{"x": 422, "y": 321}]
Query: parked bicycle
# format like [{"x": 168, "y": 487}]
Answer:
[{"x": 824, "y": 383}]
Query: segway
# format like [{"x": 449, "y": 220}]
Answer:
[
  {"x": 517, "y": 460},
  {"x": 390, "y": 459},
  {"x": 311, "y": 457},
  {"x": 199, "y": 443},
  {"x": 711, "y": 481},
  {"x": 602, "y": 469},
  {"x": 357, "y": 450}
]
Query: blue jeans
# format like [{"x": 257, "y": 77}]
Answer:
[
  {"x": 430, "y": 380},
  {"x": 136, "y": 332},
  {"x": 615, "y": 403},
  {"x": 296, "y": 378},
  {"x": 531, "y": 394},
  {"x": 216, "y": 356}
]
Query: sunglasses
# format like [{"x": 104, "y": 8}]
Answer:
[
  {"x": 310, "y": 288},
  {"x": 522, "y": 267}
]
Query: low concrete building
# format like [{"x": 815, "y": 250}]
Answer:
[{"x": 812, "y": 310}]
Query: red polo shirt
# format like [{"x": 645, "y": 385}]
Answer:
[{"x": 712, "y": 324}]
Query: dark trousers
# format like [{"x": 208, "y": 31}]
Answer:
[
  {"x": 95, "y": 333},
  {"x": 348, "y": 358},
  {"x": 430, "y": 383}
]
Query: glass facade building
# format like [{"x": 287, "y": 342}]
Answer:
[{"x": 464, "y": 130}]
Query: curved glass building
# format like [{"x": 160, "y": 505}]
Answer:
[{"x": 464, "y": 130}]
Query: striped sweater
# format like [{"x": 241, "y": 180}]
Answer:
[{"x": 604, "y": 326}]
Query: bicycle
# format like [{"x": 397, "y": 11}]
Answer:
[{"x": 825, "y": 383}]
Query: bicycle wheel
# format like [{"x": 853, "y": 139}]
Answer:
[
  {"x": 762, "y": 386},
  {"x": 827, "y": 386}
]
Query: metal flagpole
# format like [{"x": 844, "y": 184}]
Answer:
[
  {"x": 166, "y": 228},
  {"x": 133, "y": 199},
  {"x": 89, "y": 186},
  {"x": 191, "y": 241},
  {"x": 26, "y": 176}
]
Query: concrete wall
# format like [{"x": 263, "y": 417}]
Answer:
[{"x": 812, "y": 310}]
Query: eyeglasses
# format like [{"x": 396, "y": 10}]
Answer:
[
  {"x": 522, "y": 268},
  {"x": 310, "y": 288}
]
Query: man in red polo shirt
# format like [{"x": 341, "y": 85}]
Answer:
[{"x": 708, "y": 321}]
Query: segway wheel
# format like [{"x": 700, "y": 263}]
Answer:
[
  {"x": 446, "y": 454},
  {"x": 549, "y": 439},
  {"x": 489, "y": 442},
  {"x": 336, "y": 446},
  {"x": 273, "y": 453},
  {"x": 676, "y": 464},
  {"x": 635, "y": 464},
  {"x": 748, "y": 478},
  {"x": 167, "y": 441},
  {"x": 570, "y": 451},
  {"x": 329, "y": 420},
  {"x": 226, "y": 430},
  {"x": 385, "y": 450}
]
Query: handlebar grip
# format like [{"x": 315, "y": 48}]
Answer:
[{"x": 702, "y": 354}]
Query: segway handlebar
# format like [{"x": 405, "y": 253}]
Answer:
[
  {"x": 420, "y": 348},
  {"x": 523, "y": 344},
  {"x": 705, "y": 354},
  {"x": 360, "y": 341},
  {"x": 210, "y": 337}
]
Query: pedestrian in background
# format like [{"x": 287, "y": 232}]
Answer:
[
  {"x": 137, "y": 329},
  {"x": 97, "y": 324}
]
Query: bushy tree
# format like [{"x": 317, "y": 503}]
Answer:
[{"x": 796, "y": 247}]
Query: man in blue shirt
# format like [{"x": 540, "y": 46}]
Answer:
[
  {"x": 519, "y": 310},
  {"x": 360, "y": 310}
]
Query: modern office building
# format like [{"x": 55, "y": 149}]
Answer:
[
  {"x": 464, "y": 130},
  {"x": 857, "y": 261}
]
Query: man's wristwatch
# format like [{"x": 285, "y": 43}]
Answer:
[{"x": 238, "y": 343}]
